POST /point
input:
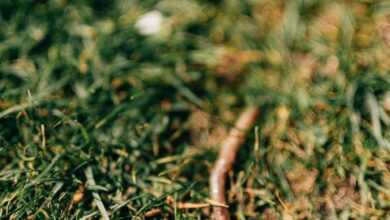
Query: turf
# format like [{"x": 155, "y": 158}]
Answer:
[{"x": 94, "y": 114}]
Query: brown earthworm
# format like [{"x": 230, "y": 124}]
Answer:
[{"x": 224, "y": 163}]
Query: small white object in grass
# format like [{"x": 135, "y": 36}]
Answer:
[{"x": 150, "y": 23}]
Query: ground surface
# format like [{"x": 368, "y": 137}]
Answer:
[{"x": 84, "y": 97}]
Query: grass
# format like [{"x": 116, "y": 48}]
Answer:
[{"x": 95, "y": 116}]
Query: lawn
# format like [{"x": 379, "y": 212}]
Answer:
[{"x": 117, "y": 109}]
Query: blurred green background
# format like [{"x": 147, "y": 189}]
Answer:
[{"x": 129, "y": 100}]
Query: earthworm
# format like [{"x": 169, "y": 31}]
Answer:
[{"x": 224, "y": 163}]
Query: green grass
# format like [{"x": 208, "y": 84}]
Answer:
[{"x": 91, "y": 108}]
